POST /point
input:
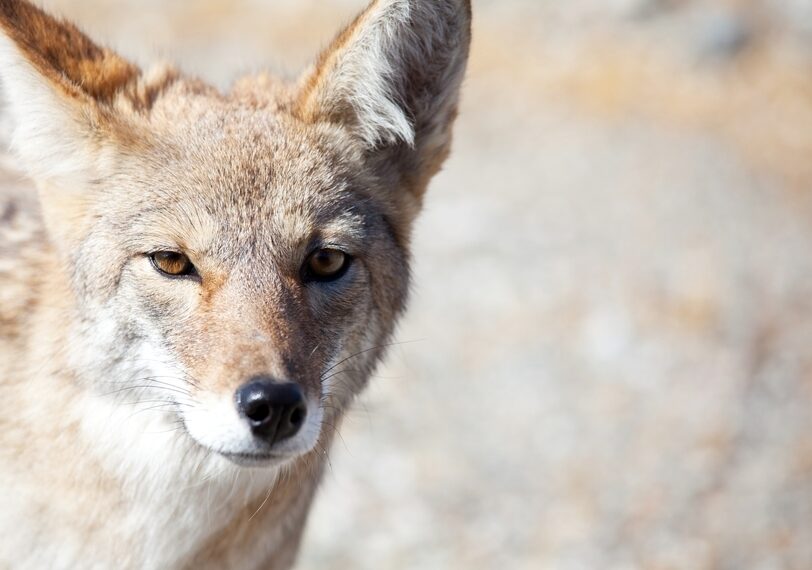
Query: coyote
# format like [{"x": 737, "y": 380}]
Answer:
[{"x": 196, "y": 284}]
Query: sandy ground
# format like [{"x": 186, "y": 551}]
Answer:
[{"x": 607, "y": 362}]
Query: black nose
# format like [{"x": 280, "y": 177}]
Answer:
[{"x": 274, "y": 411}]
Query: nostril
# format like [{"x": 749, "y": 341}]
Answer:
[
  {"x": 294, "y": 416},
  {"x": 257, "y": 411},
  {"x": 297, "y": 416}
]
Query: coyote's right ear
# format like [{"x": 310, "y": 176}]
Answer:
[
  {"x": 393, "y": 78},
  {"x": 62, "y": 93},
  {"x": 60, "y": 88}
]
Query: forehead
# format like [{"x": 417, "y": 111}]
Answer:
[{"x": 255, "y": 175}]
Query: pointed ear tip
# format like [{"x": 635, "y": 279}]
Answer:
[
  {"x": 19, "y": 18},
  {"x": 61, "y": 53}
]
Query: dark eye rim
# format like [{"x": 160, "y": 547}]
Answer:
[
  {"x": 309, "y": 277},
  {"x": 189, "y": 273}
]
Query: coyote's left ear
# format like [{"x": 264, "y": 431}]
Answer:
[
  {"x": 60, "y": 89},
  {"x": 393, "y": 77}
]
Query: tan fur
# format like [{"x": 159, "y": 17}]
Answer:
[
  {"x": 64, "y": 54},
  {"x": 118, "y": 428}
]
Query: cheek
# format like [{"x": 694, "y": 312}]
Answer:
[
  {"x": 370, "y": 321},
  {"x": 163, "y": 373},
  {"x": 98, "y": 269},
  {"x": 159, "y": 307},
  {"x": 339, "y": 310},
  {"x": 168, "y": 317},
  {"x": 390, "y": 283},
  {"x": 356, "y": 343}
]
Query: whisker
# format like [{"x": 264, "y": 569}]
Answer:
[
  {"x": 168, "y": 388},
  {"x": 157, "y": 401},
  {"x": 268, "y": 496},
  {"x": 376, "y": 347},
  {"x": 325, "y": 454},
  {"x": 337, "y": 372},
  {"x": 337, "y": 431}
]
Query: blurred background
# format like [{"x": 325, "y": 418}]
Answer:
[{"x": 607, "y": 362}]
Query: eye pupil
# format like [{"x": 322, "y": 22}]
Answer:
[{"x": 325, "y": 260}]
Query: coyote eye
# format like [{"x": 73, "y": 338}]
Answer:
[
  {"x": 326, "y": 265},
  {"x": 172, "y": 263}
]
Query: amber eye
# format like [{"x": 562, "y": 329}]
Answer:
[
  {"x": 172, "y": 263},
  {"x": 326, "y": 265}
]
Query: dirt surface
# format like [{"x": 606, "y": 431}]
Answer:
[{"x": 607, "y": 361}]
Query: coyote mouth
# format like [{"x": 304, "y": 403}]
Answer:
[{"x": 255, "y": 459}]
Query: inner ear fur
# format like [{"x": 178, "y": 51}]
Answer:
[{"x": 392, "y": 77}]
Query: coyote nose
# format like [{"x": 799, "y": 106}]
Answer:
[{"x": 274, "y": 411}]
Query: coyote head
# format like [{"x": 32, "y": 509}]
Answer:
[{"x": 240, "y": 258}]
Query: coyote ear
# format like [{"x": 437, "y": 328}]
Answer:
[
  {"x": 60, "y": 88},
  {"x": 393, "y": 77}
]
